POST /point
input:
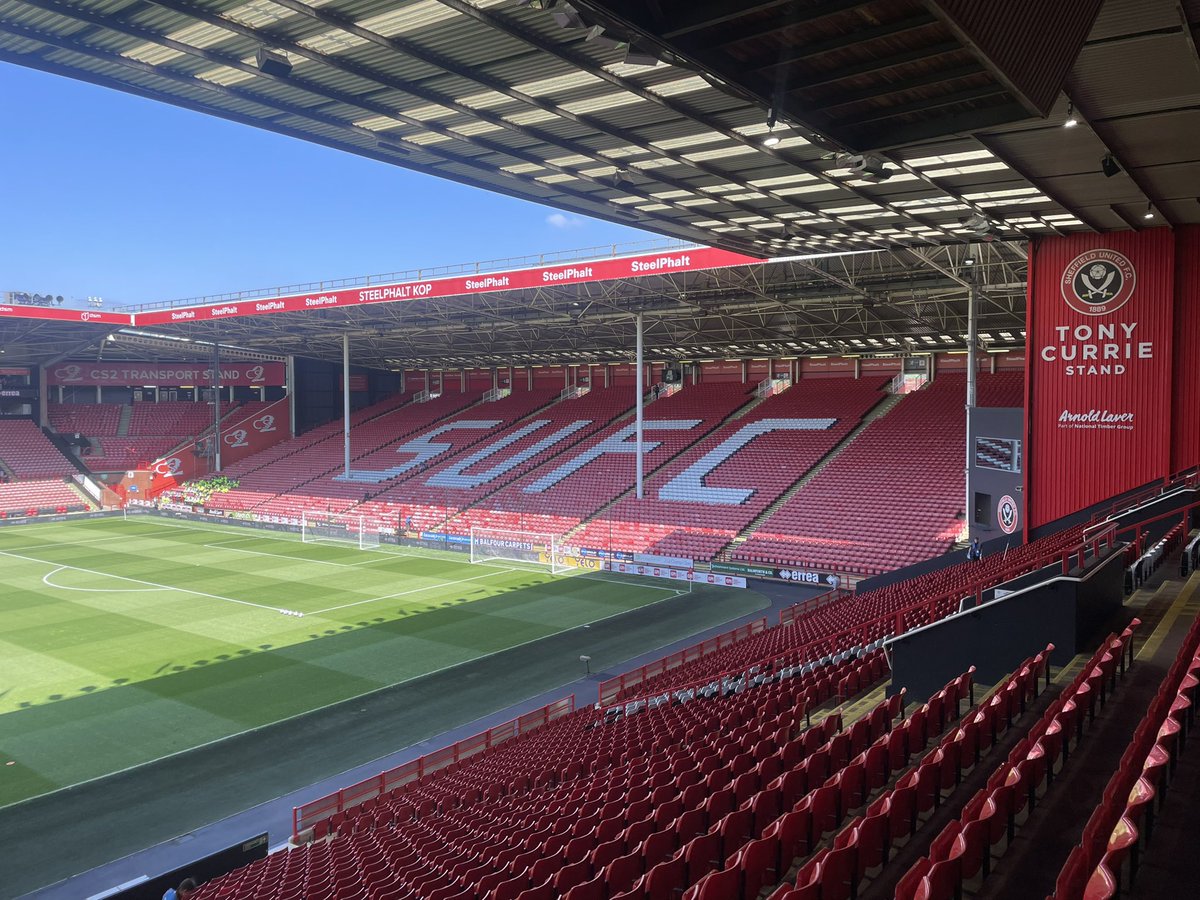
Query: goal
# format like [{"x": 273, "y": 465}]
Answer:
[
  {"x": 488, "y": 544},
  {"x": 339, "y": 528}
]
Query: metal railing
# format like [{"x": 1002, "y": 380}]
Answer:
[{"x": 307, "y": 815}]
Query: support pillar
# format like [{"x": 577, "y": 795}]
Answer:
[
  {"x": 641, "y": 390},
  {"x": 216, "y": 407},
  {"x": 972, "y": 374},
  {"x": 346, "y": 401}
]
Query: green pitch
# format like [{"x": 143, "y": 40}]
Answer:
[{"x": 124, "y": 641}]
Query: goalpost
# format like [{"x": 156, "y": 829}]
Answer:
[
  {"x": 339, "y": 528},
  {"x": 489, "y": 544}
]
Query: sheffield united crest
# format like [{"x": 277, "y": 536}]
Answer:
[
  {"x": 1098, "y": 282},
  {"x": 1006, "y": 514}
]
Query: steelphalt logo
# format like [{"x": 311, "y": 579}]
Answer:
[{"x": 1098, "y": 282}]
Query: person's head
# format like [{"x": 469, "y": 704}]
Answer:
[{"x": 187, "y": 887}]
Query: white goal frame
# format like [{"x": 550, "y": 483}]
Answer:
[
  {"x": 525, "y": 547},
  {"x": 318, "y": 527}
]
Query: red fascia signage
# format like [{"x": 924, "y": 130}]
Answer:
[
  {"x": 121, "y": 373},
  {"x": 544, "y": 276},
  {"x": 58, "y": 314},
  {"x": 1100, "y": 364}
]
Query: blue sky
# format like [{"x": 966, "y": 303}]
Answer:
[{"x": 112, "y": 195}]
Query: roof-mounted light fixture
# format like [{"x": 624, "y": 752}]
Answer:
[
  {"x": 1070, "y": 121},
  {"x": 1109, "y": 165},
  {"x": 772, "y": 139}
]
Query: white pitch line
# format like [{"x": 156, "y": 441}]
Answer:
[
  {"x": 432, "y": 587},
  {"x": 165, "y": 587},
  {"x": 62, "y": 587}
]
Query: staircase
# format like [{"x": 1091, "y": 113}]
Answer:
[
  {"x": 126, "y": 415},
  {"x": 878, "y": 411}
]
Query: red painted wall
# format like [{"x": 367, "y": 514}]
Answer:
[
  {"x": 1098, "y": 426},
  {"x": 721, "y": 371},
  {"x": 885, "y": 366},
  {"x": 1185, "y": 419},
  {"x": 830, "y": 367},
  {"x": 548, "y": 377}
]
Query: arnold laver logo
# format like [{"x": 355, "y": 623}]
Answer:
[
  {"x": 1098, "y": 282},
  {"x": 1096, "y": 420}
]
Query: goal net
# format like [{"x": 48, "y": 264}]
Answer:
[
  {"x": 519, "y": 547},
  {"x": 339, "y": 528}
]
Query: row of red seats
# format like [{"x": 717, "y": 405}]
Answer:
[
  {"x": 685, "y": 522},
  {"x": 1122, "y": 823},
  {"x": 816, "y": 807},
  {"x": 874, "y": 613},
  {"x": 652, "y": 780},
  {"x": 964, "y": 847},
  {"x": 880, "y": 504},
  {"x": 30, "y": 497},
  {"x": 28, "y": 454}
]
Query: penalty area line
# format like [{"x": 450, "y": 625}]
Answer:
[{"x": 152, "y": 584}]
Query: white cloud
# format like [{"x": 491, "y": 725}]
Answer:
[{"x": 559, "y": 220}]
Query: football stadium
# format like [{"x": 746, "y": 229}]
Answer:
[{"x": 834, "y": 540}]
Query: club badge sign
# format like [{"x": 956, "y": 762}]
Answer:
[
  {"x": 1098, "y": 282},
  {"x": 1007, "y": 515}
]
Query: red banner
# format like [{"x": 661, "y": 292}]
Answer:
[
  {"x": 544, "y": 276},
  {"x": 150, "y": 372},
  {"x": 58, "y": 314},
  {"x": 1100, "y": 346}
]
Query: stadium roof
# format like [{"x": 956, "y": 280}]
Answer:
[
  {"x": 959, "y": 102},
  {"x": 699, "y": 303},
  {"x": 904, "y": 126}
]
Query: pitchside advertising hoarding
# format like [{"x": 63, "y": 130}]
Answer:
[{"x": 1100, "y": 345}]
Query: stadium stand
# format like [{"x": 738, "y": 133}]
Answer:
[
  {"x": 405, "y": 451},
  {"x": 646, "y": 784},
  {"x": 569, "y": 488},
  {"x": 905, "y": 475},
  {"x": 89, "y": 419},
  {"x": 964, "y": 847},
  {"x": 26, "y": 453},
  {"x": 823, "y": 626},
  {"x": 469, "y": 476},
  {"x": 39, "y": 497},
  {"x": 297, "y": 475},
  {"x": 151, "y": 430},
  {"x": 1123, "y": 823},
  {"x": 681, "y": 515}
]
